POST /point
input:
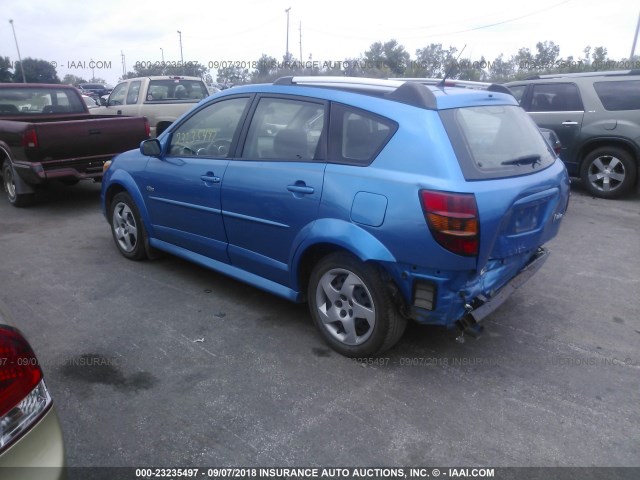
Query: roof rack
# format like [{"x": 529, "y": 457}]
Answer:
[
  {"x": 338, "y": 81},
  {"x": 399, "y": 90},
  {"x": 606, "y": 73},
  {"x": 491, "y": 87}
]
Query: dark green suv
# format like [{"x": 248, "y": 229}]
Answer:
[{"x": 597, "y": 117}]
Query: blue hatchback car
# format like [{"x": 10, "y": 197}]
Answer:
[{"x": 375, "y": 201}]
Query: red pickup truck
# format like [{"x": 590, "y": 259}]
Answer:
[{"x": 47, "y": 133}]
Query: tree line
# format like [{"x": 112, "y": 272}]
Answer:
[{"x": 381, "y": 60}]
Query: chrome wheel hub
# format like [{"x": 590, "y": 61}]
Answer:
[{"x": 606, "y": 173}]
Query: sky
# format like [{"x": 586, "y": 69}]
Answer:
[{"x": 75, "y": 36}]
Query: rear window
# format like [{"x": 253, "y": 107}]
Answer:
[
  {"x": 624, "y": 95},
  {"x": 496, "y": 141},
  {"x": 176, "y": 89},
  {"x": 39, "y": 101}
]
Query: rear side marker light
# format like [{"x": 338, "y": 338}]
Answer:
[
  {"x": 453, "y": 220},
  {"x": 423, "y": 295}
]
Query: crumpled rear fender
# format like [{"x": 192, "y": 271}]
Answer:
[{"x": 341, "y": 234}]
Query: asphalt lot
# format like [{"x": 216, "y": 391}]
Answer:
[{"x": 165, "y": 363}]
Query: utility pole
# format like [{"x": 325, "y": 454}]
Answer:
[
  {"x": 286, "y": 57},
  {"x": 24, "y": 79},
  {"x": 181, "y": 57},
  {"x": 300, "y": 40},
  {"x": 124, "y": 65},
  {"x": 635, "y": 40},
  {"x": 162, "y": 51}
]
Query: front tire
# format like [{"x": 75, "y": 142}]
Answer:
[
  {"x": 352, "y": 306},
  {"x": 16, "y": 199},
  {"x": 608, "y": 172},
  {"x": 127, "y": 227}
]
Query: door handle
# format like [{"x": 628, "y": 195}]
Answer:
[
  {"x": 303, "y": 189},
  {"x": 119, "y": 112},
  {"x": 209, "y": 177},
  {"x": 569, "y": 124}
]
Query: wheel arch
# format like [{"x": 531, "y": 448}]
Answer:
[
  {"x": 119, "y": 182},
  {"x": 328, "y": 236},
  {"x": 6, "y": 155},
  {"x": 600, "y": 142}
]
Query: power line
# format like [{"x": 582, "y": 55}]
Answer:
[{"x": 480, "y": 27}]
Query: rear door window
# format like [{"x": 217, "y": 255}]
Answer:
[
  {"x": 619, "y": 95},
  {"x": 556, "y": 97},
  {"x": 356, "y": 136},
  {"x": 285, "y": 129},
  {"x": 496, "y": 141}
]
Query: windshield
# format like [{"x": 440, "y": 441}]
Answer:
[{"x": 496, "y": 141}]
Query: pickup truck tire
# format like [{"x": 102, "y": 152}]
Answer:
[
  {"x": 16, "y": 199},
  {"x": 608, "y": 172},
  {"x": 352, "y": 306},
  {"x": 127, "y": 227}
]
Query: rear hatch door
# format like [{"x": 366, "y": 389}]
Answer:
[{"x": 521, "y": 188}]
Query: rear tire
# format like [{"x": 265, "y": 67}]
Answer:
[
  {"x": 127, "y": 227},
  {"x": 608, "y": 172},
  {"x": 16, "y": 199},
  {"x": 352, "y": 306}
]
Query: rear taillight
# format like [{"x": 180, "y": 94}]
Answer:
[
  {"x": 30, "y": 138},
  {"x": 23, "y": 394},
  {"x": 147, "y": 127},
  {"x": 452, "y": 220}
]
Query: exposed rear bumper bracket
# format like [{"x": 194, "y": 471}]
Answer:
[
  {"x": 469, "y": 322},
  {"x": 516, "y": 282}
]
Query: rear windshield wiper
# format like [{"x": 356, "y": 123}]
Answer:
[{"x": 524, "y": 160}]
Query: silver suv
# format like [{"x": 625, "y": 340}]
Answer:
[{"x": 597, "y": 117}]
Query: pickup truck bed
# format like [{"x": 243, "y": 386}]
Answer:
[{"x": 37, "y": 146}]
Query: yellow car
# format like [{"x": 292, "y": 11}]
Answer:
[{"x": 30, "y": 433}]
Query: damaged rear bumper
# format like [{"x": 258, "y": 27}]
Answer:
[
  {"x": 485, "y": 306},
  {"x": 481, "y": 306}
]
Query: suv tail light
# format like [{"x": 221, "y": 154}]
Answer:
[
  {"x": 23, "y": 394},
  {"x": 453, "y": 220},
  {"x": 147, "y": 127}
]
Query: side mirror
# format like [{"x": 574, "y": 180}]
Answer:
[
  {"x": 103, "y": 102},
  {"x": 151, "y": 148}
]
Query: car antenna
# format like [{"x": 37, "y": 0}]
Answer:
[{"x": 441, "y": 83}]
